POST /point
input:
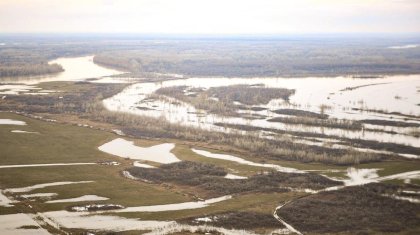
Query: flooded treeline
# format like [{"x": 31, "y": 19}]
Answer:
[
  {"x": 224, "y": 100},
  {"x": 87, "y": 103},
  {"x": 211, "y": 178}
]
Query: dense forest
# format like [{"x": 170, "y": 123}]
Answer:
[
  {"x": 29, "y": 69},
  {"x": 24, "y": 55},
  {"x": 269, "y": 57},
  {"x": 144, "y": 55}
]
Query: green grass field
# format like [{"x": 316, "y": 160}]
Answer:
[{"x": 65, "y": 143}]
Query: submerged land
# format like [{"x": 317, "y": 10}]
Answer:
[{"x": 209, "y": 136}]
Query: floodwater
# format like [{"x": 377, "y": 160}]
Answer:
[
  {"x": 344, "y": 97},
  {"x": 85, "y": 220},
  {"x": 354, "y": 176},
  {"x": 245, "y": 162},
  {"x": 97, "y": 221},
  {"x": 23, "y": 132},
  {"x": 11, "y": 224},
  {"x": 101, "y": 222},
  {"x": 365, "y": 176},
  {"x": 39, "y": 195},
  {"x": 75, "y": 69},
  {"x": 80, "y": 199},
  {"x": 235, "y": 177},
  {"x": 5, "y": 201},
  {"x": 126, "y": 149},
  {"x": 38, "y": 186},
  {"x": 12, "y": 122},
  {"x": 176, "y": 206}
]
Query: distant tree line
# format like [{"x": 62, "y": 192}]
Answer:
[
  {"x": 29, "y": 69},
  {"x": 265, "y": 58}
]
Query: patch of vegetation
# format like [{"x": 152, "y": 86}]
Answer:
[
  {"x": 352, "y": 209},
  {"x": 210, "y": 178},
  {"x": 94, "y": 207},
  {"x": 389, "y": 123},
  {"x": 19, "y": 69},
  {"x": 358, "y": 143},
  {"x": 221, "y": 100},
  {"x": 331, "y": 122},
  {"x": 65, "y": 144},
  {"x": 360, "y": 86},
  {"x": 28, "y": 227},
  {"x": 249, "y": 95},
  {"x": 387, "y": 112},
  {"x": 86, "y": 104},
  {"x": 300, "y": 113},
  {"x": 237, "y": 220}
]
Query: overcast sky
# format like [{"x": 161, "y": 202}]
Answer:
[{"x": 210, "y": 16}]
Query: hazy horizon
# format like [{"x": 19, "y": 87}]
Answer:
[{"x": 216, "y": 17}]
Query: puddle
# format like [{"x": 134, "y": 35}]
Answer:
[
  {"x": 176, "y": 206},
  {"x": 245, "y": 162},
  {"x": 126, "y": 149},
  {"x": 235, "y": 177},
  {"x": 80, "y": 199},
  {"x": 38, "y": 195},
  {"x": 12, "y": 122},
  {"x": 20, "y": 131},
  {"x": 38, "y": 186}
]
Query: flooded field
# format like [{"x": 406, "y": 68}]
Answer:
[
  {"x": 155, "y": 194},
  {"x": 391, "y": 98},
  {"x": 126, "y": 149}
]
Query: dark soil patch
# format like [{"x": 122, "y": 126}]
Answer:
[
  {"x": 237, "y": 220},
  {"x": 300, "y": 113},
  {"x": 210, "y": 178},
  {"x": 351, "y": 210}
]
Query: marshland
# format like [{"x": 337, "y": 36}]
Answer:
[{"x": 209, "y": 136}]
